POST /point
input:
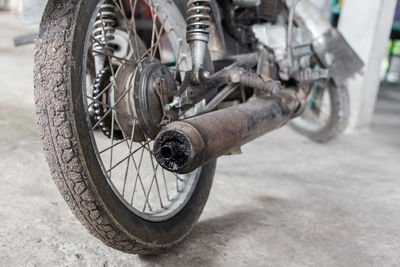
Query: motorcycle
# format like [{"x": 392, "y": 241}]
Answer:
[{"x": 136, "y": 100}]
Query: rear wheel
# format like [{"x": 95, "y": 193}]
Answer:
[
  {"x": 327, "y": 112},
  {"x": 97, "y": 66}
]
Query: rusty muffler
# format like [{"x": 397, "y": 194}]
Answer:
[{"x": 183, "y": 146}]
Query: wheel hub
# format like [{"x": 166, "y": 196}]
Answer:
[{"x": 150, "y": 85}]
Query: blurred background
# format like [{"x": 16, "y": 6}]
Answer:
[{"x": 286, "y": 201}]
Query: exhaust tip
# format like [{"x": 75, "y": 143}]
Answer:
[{"x": 172, "y": 150}]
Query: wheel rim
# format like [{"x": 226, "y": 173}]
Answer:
[{"x": 129, "y": 167}]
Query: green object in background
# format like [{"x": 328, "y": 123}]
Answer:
[
  {"x": 335, "y": 7},
  {"x": 311, "y": 101},
  {"x": 396, "y": 26},
  {"x": 335, "y": 12},
  {"x": 393, "y": 48}
]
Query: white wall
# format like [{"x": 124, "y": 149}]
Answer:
[{"x": 366, "y": 25}]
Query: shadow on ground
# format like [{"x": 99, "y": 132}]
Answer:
[{"x": 210, "y": 238}]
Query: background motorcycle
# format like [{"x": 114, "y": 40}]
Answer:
[{"x": 137, "y": 99}]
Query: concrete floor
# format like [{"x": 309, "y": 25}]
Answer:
[{"x": 285, "y": 202}]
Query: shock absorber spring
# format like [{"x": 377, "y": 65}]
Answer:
[
  {"x": 198, "y": 20},
  {"x": 104, "y": 25},
  {"x": 197, "y": 35}
]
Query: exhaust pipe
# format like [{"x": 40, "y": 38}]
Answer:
[{"x": 183, "y": 146}]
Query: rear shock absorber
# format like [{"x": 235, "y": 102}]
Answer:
[
  {"x": 103, "y": 33},
  {"x": 198, "y": 19}
]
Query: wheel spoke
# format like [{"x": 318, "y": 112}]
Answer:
[
  {"x": 122, "y": 60},
  {"x": 177, "y": 61},
  {"x": 131, "y": 26},
  {"x": 112, "y": 108},
  {"x": 133, "y": 30},
  {"x": 112, "y": 140},
  {"x": 130, "y": 151},
  {"x": 151, "y": 186},
  {"x": 115, "y": 145},
  {"x": 157, "y": 44},
  {"x": 149, "y": 150},
  {"x": 100, "y": 95},
  {"x": 138, "y": 178},
  {"x": 179, "y": 178},
  {"x": 165, "y": 184},
  {"x": 156, "y": 180},
  {"x": 133, "y": 23},
  {"x": 125, "y": 115},
  {"x": 108, "y": 50},
  {"x": 177, "y": 184},
  {"x": 154, "y": 28},
  {"x": 124, "y": 159},
  {"x": 137, "y": 172},
  {"x": 130, "y": 146},
  {"x": 107, "y": 47},
  {"x": 156, "y": 34}
]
